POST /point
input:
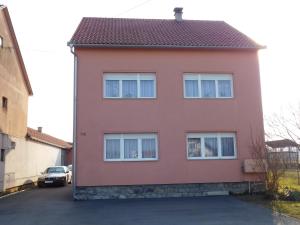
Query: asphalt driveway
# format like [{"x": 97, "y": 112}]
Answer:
[{"x": 55, "y": 206}]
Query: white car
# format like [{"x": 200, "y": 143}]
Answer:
[{"x": 55, "y": 175}]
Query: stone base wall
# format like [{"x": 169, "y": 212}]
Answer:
[{"x": 166, "y": 190}]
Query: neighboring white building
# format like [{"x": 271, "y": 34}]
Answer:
[{"x": 31, "y": 156}]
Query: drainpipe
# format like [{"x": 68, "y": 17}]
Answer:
[{"x": 74, "y": 121}]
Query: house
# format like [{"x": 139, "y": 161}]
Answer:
[
  {"x": 31, "y": 156},
  {"x": 286, "y": 150},
  {"x": 163, "y": 108},
  {"x": 62, "y": 148},
  {"x": 25, "y": 152},
  {"x": 15, "y": 89}
]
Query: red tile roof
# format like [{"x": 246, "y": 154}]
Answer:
[
  {"x": 47, "y": 139},
  {"x": 156, "y": 33},
  {"x": 282, "y": 143}
]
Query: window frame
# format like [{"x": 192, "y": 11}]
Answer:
[
  {"x": 206, "y": 76},
  {"x": 139, "y": 137},
  {"x": 202, "y": 136},
  {"x": 129, "y": 76}
]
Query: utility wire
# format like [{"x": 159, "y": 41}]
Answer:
[{"x": 134, "y": 7}]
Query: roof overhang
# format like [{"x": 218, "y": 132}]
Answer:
[
  {"x": 78, "y": 45},
  {"x": 46, "y": 142}
]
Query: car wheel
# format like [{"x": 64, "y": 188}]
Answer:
[{"x": 65, "y": 182}]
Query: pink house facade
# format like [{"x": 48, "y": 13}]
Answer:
[{"x": 163, "y": 111}]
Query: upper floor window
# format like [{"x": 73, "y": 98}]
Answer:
[
  {"x": 130, "y": 147},
  {"x": 208, "y": 86},
  {"x": 129, "y": 85},
  {"x": 211, "y": 146}
]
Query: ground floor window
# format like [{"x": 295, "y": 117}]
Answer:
[
  {"x": 211, "y": 146},
  {"x": 130, "y": 147}
]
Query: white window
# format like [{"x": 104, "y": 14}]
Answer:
[
  {"x": 129, "y": 85},
  {"x": 208, "y": 86},
  {"x": 211, "y": 146},
  {"x": 130, "y": 147}
]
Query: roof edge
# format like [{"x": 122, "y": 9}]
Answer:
[
  {"x": 72, "y": 44},
  {"x": 46, "y": 142},
  {"x": 19, "y": 55},
  {"x": 30, "y": 135}
]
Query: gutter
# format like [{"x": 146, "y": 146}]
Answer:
[{"x": 74, "y": 169}]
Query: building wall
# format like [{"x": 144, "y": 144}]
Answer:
[
  {"x": 13, "y": 121},
  {"x": 170, "y": 115},
  {"x": 26, "y": 162}
]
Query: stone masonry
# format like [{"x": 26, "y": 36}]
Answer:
[{"x": 166, "y": 190}]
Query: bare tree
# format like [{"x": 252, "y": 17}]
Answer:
[
  {"x": 270, "y": 167},
  {"x": 286, "y": 125}
]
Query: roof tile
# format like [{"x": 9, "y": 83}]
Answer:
[
  {"x": 47, "y": 139},
  {"x": 118, "y": 32}
]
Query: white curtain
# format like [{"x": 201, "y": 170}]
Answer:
[
  {"x": 147, "y": 88},
  {"x": 211, "y": 147},
  {"x": 224, "y": 88},
  {"x": 148, "y": 148},
  {"x": 191, "y": 88},
  {"x": 194, "y": 149},
  {"x": 130, "y": 148},
  {"x": 112, "y": 88},
  {"x": 112, "y": 149},
  {"x": 227, "y": 146},
  {"x": 129, "y": 88},
  {"x": 208, "y": 88}
]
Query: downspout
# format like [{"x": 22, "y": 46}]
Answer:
[{"x": 74, "y": 180}]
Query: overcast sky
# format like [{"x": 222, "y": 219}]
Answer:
[{"x": 43, "y": 28}]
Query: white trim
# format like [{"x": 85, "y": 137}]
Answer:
[
  {"x": 206, "y": 76},
  {"x": 129, "y": 76},
  {"x": 139, "y": 137},
  {"x": 216, "y": 135}
]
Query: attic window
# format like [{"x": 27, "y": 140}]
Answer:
[
  {"x": 4, "y": 102},
  {"x": 1, "y": 42}
]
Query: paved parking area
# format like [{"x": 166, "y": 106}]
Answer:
[{"x": 55, "y": 206}]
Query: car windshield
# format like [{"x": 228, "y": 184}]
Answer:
[{"x": 55, "y": 170}]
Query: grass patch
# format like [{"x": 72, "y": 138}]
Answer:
[
  {"x": 291, "y": 208},
  {"x": 286, "y": 207},
  {"x": 290, "y": 180}
]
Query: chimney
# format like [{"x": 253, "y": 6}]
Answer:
[
  {"x": 40, "y": 129},
  {"x": 178, "y": 13}
]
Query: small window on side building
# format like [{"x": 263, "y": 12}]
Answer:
[
  {"x": 1, "y": 42},
  {"x": 4, "y": 102},
  {"x": 2, "y": 155}
]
